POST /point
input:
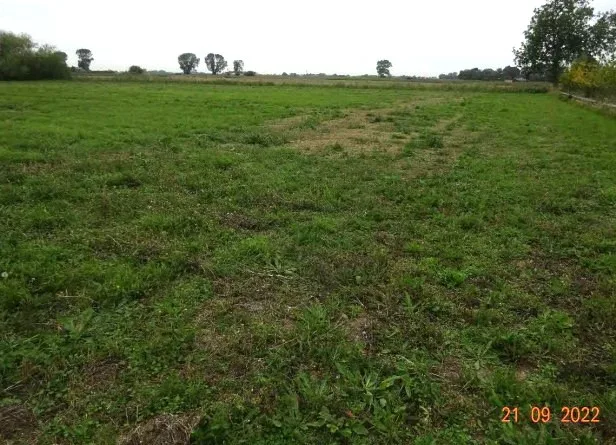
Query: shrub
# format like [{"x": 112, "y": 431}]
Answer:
[
  {"x": 135, "y": 69},
  {"x": 21, "y": 60},
  {"x": 250, "y": 73},
  {"x": 591, "y": 78}
]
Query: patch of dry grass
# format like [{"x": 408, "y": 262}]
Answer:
[{"x": 165, "y": 429}]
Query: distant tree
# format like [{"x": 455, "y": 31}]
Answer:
[
  {"x": 511, "y": 72},
  {"x": 250, "y": 73},
  {"x": 135, "y": 69},
  {"x": 285, "y": 73},
  {"x": 560, "y": 32},
  {"x": 382, "y": 68},
  {"x": 238, "y": 67},
  {"x": 188, "y": 62},
  {"x": 215, "y": 63},
  {"x": 450, "y": 76},
  {"x": 472, "y": 74},
  {"x": 489, "y": 74},
  {"x": 84, "y": 58}
]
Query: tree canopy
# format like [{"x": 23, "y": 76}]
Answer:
[
  {"x": 188, "y": 62},
  {"x": 135, "y": 69},
  {"x": 382, "y": 68},
  {"x": 84, "y": 58},
  {"x": 215, "y": 63},
  {"x": 238, "y": 67},
  {"x": 562, "y": 31}
]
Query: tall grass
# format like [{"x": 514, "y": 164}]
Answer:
[{"x": 266, "y": 80}]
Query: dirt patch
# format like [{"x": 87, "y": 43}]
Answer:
[
  {"x": 361, "y": 330},
  {"x": 166, "y": 429},
  {"x": 523, "y": 371},
  {"x": 239, "y": 221},
  {"x": 102, "y": 372},
  {"x": 17, "y": 422},
  {"x": 449, "y": 371}
]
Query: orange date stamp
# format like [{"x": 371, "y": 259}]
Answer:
[{"x": 544, "y": 414}]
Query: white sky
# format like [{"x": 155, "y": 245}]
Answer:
[{"x": 272, "y": 36}]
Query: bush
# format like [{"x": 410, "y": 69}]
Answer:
[
  {"x": 591, "y": 78},
  {"x": 21, "y": 60},
  {"x": 250, "y": 73},
  {"x": 135, "y": 69}
]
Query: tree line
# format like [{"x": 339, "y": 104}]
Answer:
[
  {"x": 507, "y": 73},
  {"x": 560, "y": 33},
  {"x": 215, "y": 63}
]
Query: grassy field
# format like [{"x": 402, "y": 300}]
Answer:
[{"x": 303, "y": 265}]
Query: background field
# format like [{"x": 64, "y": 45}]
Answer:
[
  {"x": 323, "y": 81},
  {"x": 312, "y": 265}
]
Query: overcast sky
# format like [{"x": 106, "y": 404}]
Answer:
[{"x": 272, "y": 36}]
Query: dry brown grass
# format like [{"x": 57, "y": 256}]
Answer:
[
  {"x": 102, "y": 373},
  {"x": 166, "y": 429},
  {"x": 357, "y": 131},
  {"x": 17, "y": 424}
]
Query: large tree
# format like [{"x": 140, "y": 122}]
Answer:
[
  {"x": 84, "y": 58},
  {"x": 603, "y": 36},
  {"x": 215, "y": 63},
  {"x": 188, "y": 62},
  {"x": 238, "y": 67},
  {"x": 382, "y": 68},
  {"x": 562, "y": 31}
]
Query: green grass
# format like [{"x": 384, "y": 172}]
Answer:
[{"x": 166, "y": 249}]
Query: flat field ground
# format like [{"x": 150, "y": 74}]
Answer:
[{"x": 279, "y": 264}]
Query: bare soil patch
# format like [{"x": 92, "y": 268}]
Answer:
[{"x": 17, "y": 422}]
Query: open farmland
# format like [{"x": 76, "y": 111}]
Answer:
[{"x": 283, "y": 264}]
